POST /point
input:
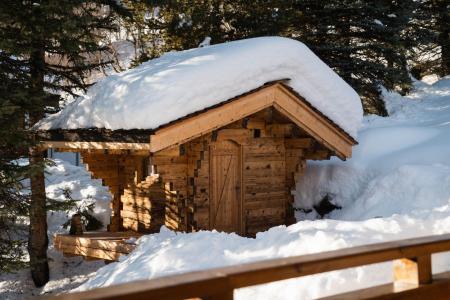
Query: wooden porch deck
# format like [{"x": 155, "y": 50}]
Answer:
[{"x": 96, "y": 244}]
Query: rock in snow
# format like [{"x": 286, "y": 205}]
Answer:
[{"x": 179, "y": 83}]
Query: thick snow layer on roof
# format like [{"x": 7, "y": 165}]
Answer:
[{"x": 180, "y": 83}]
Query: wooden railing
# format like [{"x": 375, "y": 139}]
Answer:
[{"x": 413, "y": 278}]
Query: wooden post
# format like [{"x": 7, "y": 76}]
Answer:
[
  {"x": 413, "y": 271},
  {"x": 227, "y": 295}
]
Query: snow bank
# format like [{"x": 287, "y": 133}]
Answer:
[
  {"x": 169, "y": 253},
  {"x": 401, "y": 165},
  {"x": 396, "y": 186},
  {"x": 179, "y": 83},
  {"x": 63, "y": 175}
]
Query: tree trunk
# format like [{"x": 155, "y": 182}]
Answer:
[
  {"x": 444, "y": 36},
  {"x": 37, "y": 239}
]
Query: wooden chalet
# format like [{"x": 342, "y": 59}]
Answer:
[{"x": 230, "y": 167}]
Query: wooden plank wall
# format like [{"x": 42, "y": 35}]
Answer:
[
  {"x": 107, "y": 168},
  {"x": 273, "y": 157},
  {"x": 274, "y": 153},
  {"x": 99, "y": 245},
  {"x": 198, "y": 183},
  {"x": 171, "y": 166},
  {"x": 144, "y": 206},
  {"x": 266, "y": 191},
  {"x": 138, "y": 200}
]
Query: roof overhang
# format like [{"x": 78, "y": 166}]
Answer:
[{"x": 277, "y": 95}]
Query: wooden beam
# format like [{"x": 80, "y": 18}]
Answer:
[
  {"x": 98, "y": 245},
  {"x": 95, "y": 145},
  {"x": 413, "y": 271},
  {"x": 298, "y": 143},
  {"x": 439, "y": 289},
  {"x": 314, "y": 124},
  {"x": 95, "y": 135},
  {"x": 91, "y": 252},
  {"x": 108, "y": 244}
]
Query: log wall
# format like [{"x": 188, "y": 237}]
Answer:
[
  {"x": 274, "y": 153},
  {"x": 171, "y": 166},
  {"x": 138, "y": 199},
  {"x": 198, "y": 183},
  {"x": 108, "y": 169}
]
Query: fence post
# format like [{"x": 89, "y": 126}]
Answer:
[{"x": 415, "y": 271}]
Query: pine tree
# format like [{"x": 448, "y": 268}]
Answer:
[
  {"x": 189, "y": 22},
  {"x": 440, "y": 26},
  {"x": 56, "y": 44},
  {"x": 13, "y": 145},
  {"x": 146, "y": 29},
  {"x": 366, "y": 42},
  {"x": 430, "y": 27},
  {"x": 361, "y": 40}
]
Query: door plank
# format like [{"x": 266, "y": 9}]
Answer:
[{"x": 225, "y": 181}]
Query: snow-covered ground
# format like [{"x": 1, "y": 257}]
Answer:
[
  {"x": 396, "y": 186},
  {"x": 65, "y": 273}
]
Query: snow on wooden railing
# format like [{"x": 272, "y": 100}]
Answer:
[{"x": 412, "y": 274}]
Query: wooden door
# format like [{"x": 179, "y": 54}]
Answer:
[{"x": 226, "y": 187}]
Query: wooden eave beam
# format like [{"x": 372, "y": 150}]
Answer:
[
  {"x": 95, "y": 145},
  {"x": 312, "y": 122}
]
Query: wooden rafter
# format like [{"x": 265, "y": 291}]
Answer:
[{"x": 276, "y": 96}]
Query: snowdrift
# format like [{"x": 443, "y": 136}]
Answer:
[
  {"x": 179, "y": 83},
  {"x": 401, "y": 165},
  {"x": 396, "y": 186},
  {"x": 63, "y": 175}
]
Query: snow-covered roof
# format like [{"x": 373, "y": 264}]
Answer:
[{"x": 179, "y": 83}]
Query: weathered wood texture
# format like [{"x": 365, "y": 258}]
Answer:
[
  {"x": 219, "y": 283},
  {"x": 265, "y": 188},
  {"x": 143, "y": 206},
  {"x": 225, "y": 212},
  {"x": 100, "y": 245}
]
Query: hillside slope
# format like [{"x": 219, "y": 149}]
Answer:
[{"x": 396, "y": 186}]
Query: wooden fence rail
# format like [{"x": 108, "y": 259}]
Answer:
[{"x": 413, "y": 277}]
